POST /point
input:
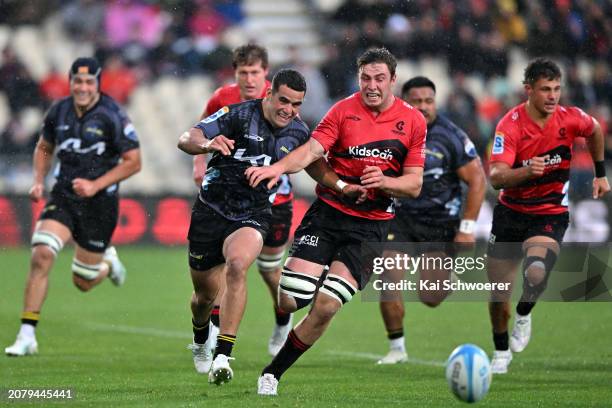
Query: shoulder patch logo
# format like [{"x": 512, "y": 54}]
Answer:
[
  {"x": 515, "y": 115},
  {"x": 498, "y": 143},
  {"x": 216, "y": 115},
  {"x": 469, "y": 147}
]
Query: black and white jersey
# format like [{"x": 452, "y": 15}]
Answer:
[
  {"x": 256, "y": 143},
  {"x": 447, "y": 148},
  {"x": 89, "y": 146}
]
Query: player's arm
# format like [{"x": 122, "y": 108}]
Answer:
[
  {"x": 194, "y": 142},
  {"x": 407, "y": 185},
  {"x": 473, "y": 176},
  {"x": 596, "y": 147},
  {"x": 41, "y": 163},
  {"x": 295, "y": 161},
  {"x": 129, "y": 165},
  {"x": 503, "y": 176},
  {"x": 323, "y": 174},
  {"x": 199, "y": 161}
]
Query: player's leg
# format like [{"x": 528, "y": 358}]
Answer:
[
  {"x": 269, "y": 264},
  {"x": 240, "y": 249},
  {"x": 540, "y": 256},
  {"x": 216, "y": 311},
  {"x": 88, "y": 270},
  {"x": 392, "y": 311},
  {"x": 337, "y": 289},
  {"x": 48, "y": 239}
]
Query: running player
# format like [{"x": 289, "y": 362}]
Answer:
[
  {"x": 375, "y": 142},
  {"x": 436, "y": 215},
  {"x": 230, "y": 219},
  {"x": 530, "y": 161},
  {"x": 97, "y": 147}
]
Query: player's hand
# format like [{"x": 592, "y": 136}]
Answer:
[
  {"x": 219, "y": 144},
  {"x": 463, "y": 238},
  {"x": 373, "y": 177},
  {"x": 356, "y": 192},
  {"x": 256, "y": 175},
  {"x": 84, "y": 188},
  {"x": 600, "y": 187},
  {"x": 536, "y": 166},
  {"x": 36, "y": 192}
]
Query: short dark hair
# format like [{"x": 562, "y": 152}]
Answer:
[
  {"x": 85, "y": 65},
  {"x": 249, "y": 54},
  {"x": 378, "y": 55},
  {"x": 541, "y": 68},
  {"x": 418, "y": 82},
  {"x": 289, "y": 77}
]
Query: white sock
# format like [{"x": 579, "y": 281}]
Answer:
[
  {"x": 27, "y": 330},
  {"x": 397, "y": 344}
]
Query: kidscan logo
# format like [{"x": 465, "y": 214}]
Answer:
[
  {"x": 362, "y": 151},
  {"x": 548, "y": 161}
]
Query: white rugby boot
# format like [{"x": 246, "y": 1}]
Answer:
[
  {"x": 118, "y": 272},
  {"x": 202, "y": 358},
  {"x": 500, "y": 361},
  {"x": 211, "y": 343},
  {"x": 267, "y": 385},
  {"x": 279, "y": 336},
  {"x": 23, "y": 346},
  {"x": 394, "y": 356},
  {"x": 220, "y": 371},
  {"x": 521, "y": 333}
]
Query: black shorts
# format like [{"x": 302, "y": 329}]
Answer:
[
  {"x": 91, "y": 220},
  {"x": 433, "y": 236},
  {"x": 327, "y": 234},
  {"x": 280, "y": 226},
  {"x": 207, "y": 231},
  {"x": 511, "y": 226}
]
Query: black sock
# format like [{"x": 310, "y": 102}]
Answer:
[
  {"x": 30, "y": 318},
  {"x": 288, "y": 354},
  {"x": 225, "y": 343},
  {"x": 200, "y": 333},
  {"x": 282, "y": 318},
  {"x": 395, "y": 334},
  {"x": 524, "y": 308},
  {"x": 214, "y": 316},
  {"x": 500, "y": 340}
]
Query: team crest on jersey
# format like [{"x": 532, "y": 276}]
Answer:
[
  {"x": 498, "y": 143},
  {"x": 130, "y": 132},
  {"x": 469, "y": 148},
  {"x": 216, "y": 115}
]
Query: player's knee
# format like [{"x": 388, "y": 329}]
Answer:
[
  {"x": 42, "y": 258},
  {"x": 296, "y": 290},
  {"x": 203, "y": 298},
  {"x": 338, "y": 288},
  {"x": 45, "y": 247},
  {"x": 536, "y": 270},
  {"x": 81, "y": 284},
  {"x": 325, "y": 309},
  {"x": 85, "y": 272},
  {"x": 236, "y": 266},
  {"x": 268, "y": 263}
]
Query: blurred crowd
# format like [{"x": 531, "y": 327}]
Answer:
[{"x": 140, "y": 40}]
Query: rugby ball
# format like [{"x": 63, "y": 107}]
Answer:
[{"x": 468, "y": 372}]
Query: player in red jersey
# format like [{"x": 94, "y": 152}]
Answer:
[
  {"x": 250, "y": 64},
  {"x": 530, "y": 161},
  {"x": 375, "y": 148}
]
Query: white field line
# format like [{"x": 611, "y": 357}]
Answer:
[{"x": 376, "y": 357}]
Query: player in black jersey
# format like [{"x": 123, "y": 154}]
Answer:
[
  {"x": 435, "y": 216},
  {"x": 97, "y": 147},
  {"x": 230, "y": 219}
]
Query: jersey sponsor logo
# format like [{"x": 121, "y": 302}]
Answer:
[
  {"x": 434, "y": 153},
  {"x": 74, "y": 145},
  {"x": 195, "y": 256},
  {"x": 62, "y": 127},
  {"x": 95, "y": 131},
  {"x": 130, "y": 132},
  {"x": 97, "y": 244},
  {"x": 216, "y": 115},
  {"x": 253, "y": 137},
  {"x": 310, "y": 240},
  {"x": 261, "y": 160},
  {"x": 548, "y": 161},
  {"x": 251, "y": 222},
  {"x": 498, "y": 143},
  {"x": 285, "y": 149},
  {"x": 362, "y": 151}
]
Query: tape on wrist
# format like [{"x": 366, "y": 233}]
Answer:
[
  {"x": 340, "y": 185},
  {"x": 467, "y": 226}
]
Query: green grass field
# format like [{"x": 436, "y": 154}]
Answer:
[{"x": 127, "y": 347}]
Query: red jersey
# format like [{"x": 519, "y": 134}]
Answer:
[
  {"x": 356, "y": 138},
  {"x": 518, "y": 138},
  {"x": 229, "y": 95}
]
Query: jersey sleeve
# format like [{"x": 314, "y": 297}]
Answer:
[
  {"x": 328, "y": 130},
  {"x": 213, "y": 105},
  {"x": 416, "y": 147},
  {"x": 583, "y": 123},
  {"x": 49, "y": 124},
  {"x": 219, "y": 123},
  {"x": 125, "y": 137},
  {"x": 463, "y": 149},
  {"x": 504, "y": 143}
]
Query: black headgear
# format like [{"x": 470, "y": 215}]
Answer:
[{"x": 86, "y": 65}]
